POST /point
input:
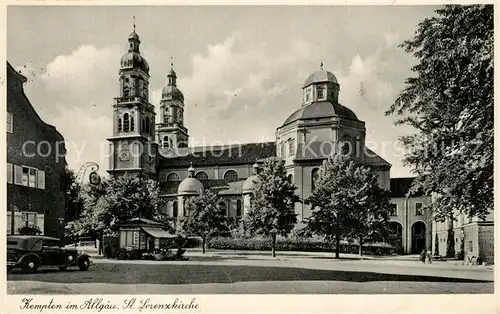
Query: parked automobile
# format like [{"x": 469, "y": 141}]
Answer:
[{"x": 29, "y": 252}]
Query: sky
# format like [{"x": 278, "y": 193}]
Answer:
[{"x": 240, "y": 68}]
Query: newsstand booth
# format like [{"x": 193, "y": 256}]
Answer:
[{"x": 142, "y": 234}]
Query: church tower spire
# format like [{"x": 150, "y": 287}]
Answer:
[
  {"x": 132, "y": 146},
  {"x": 171, "y": 131}
]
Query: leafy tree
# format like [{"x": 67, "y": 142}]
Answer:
[
  {"x": 72, "y": 190},
  {"x": 347, "y": 201},
  {"x": 205, "y": 218},
  {"x": 272, "y": 211},
  {"x": 449, "y": 102},
  {"x": 117, "y": 200},
  {"x": 370, "y": 207}
]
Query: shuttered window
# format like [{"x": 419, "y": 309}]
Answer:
[
  {"x": 18, "y": 175},
  {"x": 41, "y": 179},
  {"x": 9, "y": 173}
]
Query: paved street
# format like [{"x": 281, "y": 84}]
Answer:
[{"x": 213, "y": 274}]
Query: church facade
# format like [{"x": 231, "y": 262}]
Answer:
[{"x": 161, "y": 150}]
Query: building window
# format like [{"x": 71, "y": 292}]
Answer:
[
  {"x": 28, "y": 219},
  {"x": 132, "y": 124},
  {"x": 291, "y": 146},
  {"x": 126, "y": 92},
  {"x": 223, "y": 208},
  {"x": 175, "y": 211},
  {"x": 393, "y": 211},
  {"x": 126, "y": 122},
  {"x": 238, "y": 208},
  {"x": 202, "y": 175},
  {"x": 119, "y": 124},
  {"x": 230, "y": 176},
  {"x": 126, "y": 80},
  {"x": 321, "y": 92},
  {"x": 290, "y": 178},
  {"x": 185, "y": 207},
  {"x": 10, "y": 121},
  {"x": 283, "y": 150},
  {"x": 314, "y": 178},
  {"x": 471, "y": 246},
  {"x": 308, "y": 95},
  {"x": 147, "y": 127},
  {"x": 172, "y": 177},
  {"x": 166, "y": 142},
  {"x": 418, "y": 209}
]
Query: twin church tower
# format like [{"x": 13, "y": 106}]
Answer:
[{"x": 136, "y": 136}]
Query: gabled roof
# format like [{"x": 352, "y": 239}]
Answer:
[{"x": 217, "y": 155}]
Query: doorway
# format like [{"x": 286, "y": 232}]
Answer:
[{"x": 418, "y": 230}]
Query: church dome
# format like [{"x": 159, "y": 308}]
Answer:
[
  {"x": 320, "y": 76},
  {"x": 134, "y": 59},
  {"x": 171, "y": 92},
  {"x": 190, "y": 186},
  {"x": 321, "y": 109}
]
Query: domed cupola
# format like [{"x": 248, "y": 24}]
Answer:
[
  {"x": 249, "y": 184},
  {"x": 320, "y": 86},
  {"x": 190, "y": 186},
  {"x": 133, "y": 59},
  {"x": 171, "y": 92}
]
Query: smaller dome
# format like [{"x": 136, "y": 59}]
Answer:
[
  {"x": 133, "y": 35},
  {"x": 134, "y": 59},
  {"x": 171, "y": 92},
  {"x": 190, "y": 186},
  {"x": 249, "y": 184},
  {"x": 319, "y": 77}
]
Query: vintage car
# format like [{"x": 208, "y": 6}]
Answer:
[{"x": 29, "y": 252}]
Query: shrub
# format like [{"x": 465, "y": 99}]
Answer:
[{"x": 304, "y": 245}]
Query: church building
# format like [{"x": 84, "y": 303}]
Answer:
[{"x": 162, "y": 152}]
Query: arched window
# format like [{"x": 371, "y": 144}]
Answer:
[
  {"x": 172, "y": 177},
  {"x": 119, "y": 124},
  {"x": 147, "y": 127},
  {"x": 132, "y": 124},
  {"x": 230, "y": 176},
  {"x": 143, "y": 125},
  {"x": 202, "y": 175},
  {"x": 314, "y": 178},
  {"x": 152, "y": 127},
  {"x": 175, "y": 210},
  {"x": 283, "y": 150},
  {"x": 126, "y": 124},
  {"x": 238, "y": 208},
  {"x": 346, "y": 145},
  {"x": 223, "y": 208},
  {"x": 290, "y": 178}
]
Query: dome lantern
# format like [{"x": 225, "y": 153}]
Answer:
[{"x": 321, "y": 85}]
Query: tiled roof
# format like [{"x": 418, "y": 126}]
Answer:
[
  {"x": 321, "y": 109},
  {"x": 401, "y": 186},
  {"x": 220, "y": 155},
  {"x": 318, "y": 151}
]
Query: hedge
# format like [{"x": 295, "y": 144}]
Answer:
[{"x": 305, "y": 245}]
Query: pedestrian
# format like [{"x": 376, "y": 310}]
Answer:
[
  {"x": 423, "y": 255},
  {"x": 428, "y": 257}
]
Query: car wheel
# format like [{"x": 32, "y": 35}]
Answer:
[
  {"x": 29, "y": 265},
  {"x": 63, "y": 268},
  {"x": 84, "y": 263}
]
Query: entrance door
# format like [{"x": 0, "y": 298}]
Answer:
[{"x": 418, "y": 231}]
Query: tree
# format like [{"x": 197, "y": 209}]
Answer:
[
  {"x": 272, "y": 211},
  {"x": 72, "y": 190},
  {"x": 117, "y": 200},
  {"x": 205, "y": 218},
  {"x": 347, "y": 201},
  {"x": 370, "y": 207},
  {"x": 449, "y": 102}
]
